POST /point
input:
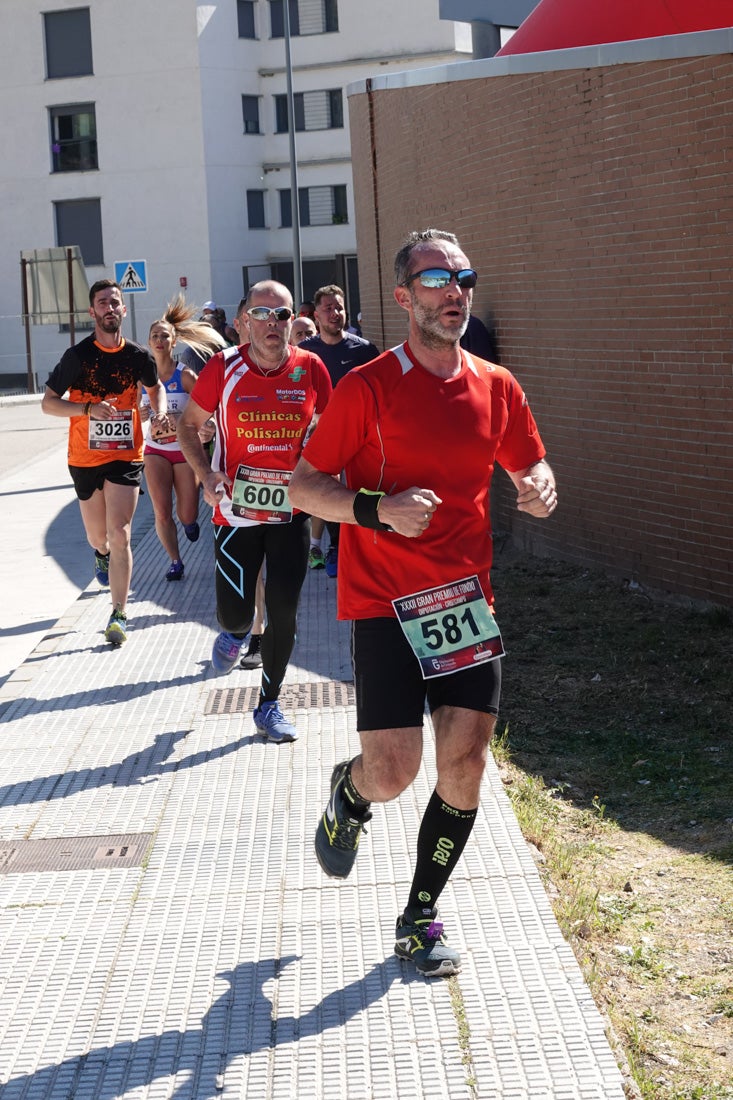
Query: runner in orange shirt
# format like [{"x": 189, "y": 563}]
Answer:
[{"x": 95, "y": 384}]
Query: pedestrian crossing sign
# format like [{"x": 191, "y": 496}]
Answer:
[{"x": 131, "y": 276}]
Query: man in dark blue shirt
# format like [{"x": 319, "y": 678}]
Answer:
[{"x": 340, "y": 351}]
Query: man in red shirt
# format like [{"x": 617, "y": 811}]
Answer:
[
  {"x": 417, "y": 432},
  {"x": 263, "y": 396}
]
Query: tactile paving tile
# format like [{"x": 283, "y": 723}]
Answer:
[{"x": 228, "y": 964}]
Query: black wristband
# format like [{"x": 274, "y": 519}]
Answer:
[{"x": 366, "y": 503}]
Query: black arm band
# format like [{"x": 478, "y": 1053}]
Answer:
[{"x": 366, "y": 503}]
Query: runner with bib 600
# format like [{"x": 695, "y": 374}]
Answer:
[
  {"x": 263, "y": 396},
  {"x": 418, "y": 431}
]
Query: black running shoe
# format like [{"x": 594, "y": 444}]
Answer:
[
  {"x": 339, "y": 830},
  {"x": 253, "y": 656},
  {"x": 420, "y": 940}
]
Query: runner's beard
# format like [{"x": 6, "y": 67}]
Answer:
[
  {"x": 433, "y": 332},
  {"x": 110, "y": 324}
]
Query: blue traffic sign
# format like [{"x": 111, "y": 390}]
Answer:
[{"x": 131, "y": 276}]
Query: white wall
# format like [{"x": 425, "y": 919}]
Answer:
[{"x": 151, "y": 175}]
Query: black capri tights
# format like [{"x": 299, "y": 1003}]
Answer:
[{"x": 239, "y": 554}]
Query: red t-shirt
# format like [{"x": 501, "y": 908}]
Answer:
[
  {"x": 261, "y": 420},
  {"x": 392, "y": 424}
]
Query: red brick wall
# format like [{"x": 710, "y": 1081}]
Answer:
[{"x": 596, "y": 205}]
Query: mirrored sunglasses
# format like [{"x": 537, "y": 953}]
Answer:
[
  {"x": 263, "y": 313},
  {"x": 437, "y": 278}
]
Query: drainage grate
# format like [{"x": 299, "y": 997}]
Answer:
[
  {"x": 77, "y": 853},
  {"x": 318, "y": 695}
]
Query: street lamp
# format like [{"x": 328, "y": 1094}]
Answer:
[{"x": 294, "y": 203}]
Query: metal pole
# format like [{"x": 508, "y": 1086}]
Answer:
[
  {"x": 27, "y": 324},
  {"x": 70, "y": 276},
  {"x": 132, "y": 317},
  {"x": 294, "y": 203}
]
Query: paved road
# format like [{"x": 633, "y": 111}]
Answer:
[{"x": 45, "y": 561}]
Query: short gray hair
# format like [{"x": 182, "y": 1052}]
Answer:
[{"x": 404, "y": 255}]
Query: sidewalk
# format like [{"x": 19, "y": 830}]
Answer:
[
  {"x": 165, "y": 930},
  {"x": 44, "y": 560}
]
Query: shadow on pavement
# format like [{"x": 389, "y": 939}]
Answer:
[
  {"x": 138, "y": 767},
  {"x": 106, "y": 695},
  {"x": 240, "y": 1023}
]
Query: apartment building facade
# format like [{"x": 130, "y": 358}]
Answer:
[{"x": 159, "y": 132}]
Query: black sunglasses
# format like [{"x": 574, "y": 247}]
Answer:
[
  {"x": 437, "y": 278},
  {"x": 263, "y": 313}
]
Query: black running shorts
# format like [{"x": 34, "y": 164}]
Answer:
[
  {"x": 87, "y": 479},
  {"x": 390, "y": 690}
]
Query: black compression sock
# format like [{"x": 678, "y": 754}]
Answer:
[
  {"x": 443, "y": 834},
  {"x": 360, "y": 804}
]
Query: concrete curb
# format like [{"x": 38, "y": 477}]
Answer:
[{"x": 20, "y": 398}]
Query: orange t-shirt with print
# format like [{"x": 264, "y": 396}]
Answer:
[{"x": 90, "y": 372}]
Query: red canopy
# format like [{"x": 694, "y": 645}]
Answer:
[{"x": 558, "y": 24}]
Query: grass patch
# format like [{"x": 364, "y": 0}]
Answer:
[{"x": 618, "y": 755}]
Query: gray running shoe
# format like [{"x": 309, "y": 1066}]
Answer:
[
  {"x": 225, "y": 652},
  {"x": 339, "y": 830},
  {"x": 116, "y": 632},
  {"x": 420, "y": 940}
]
